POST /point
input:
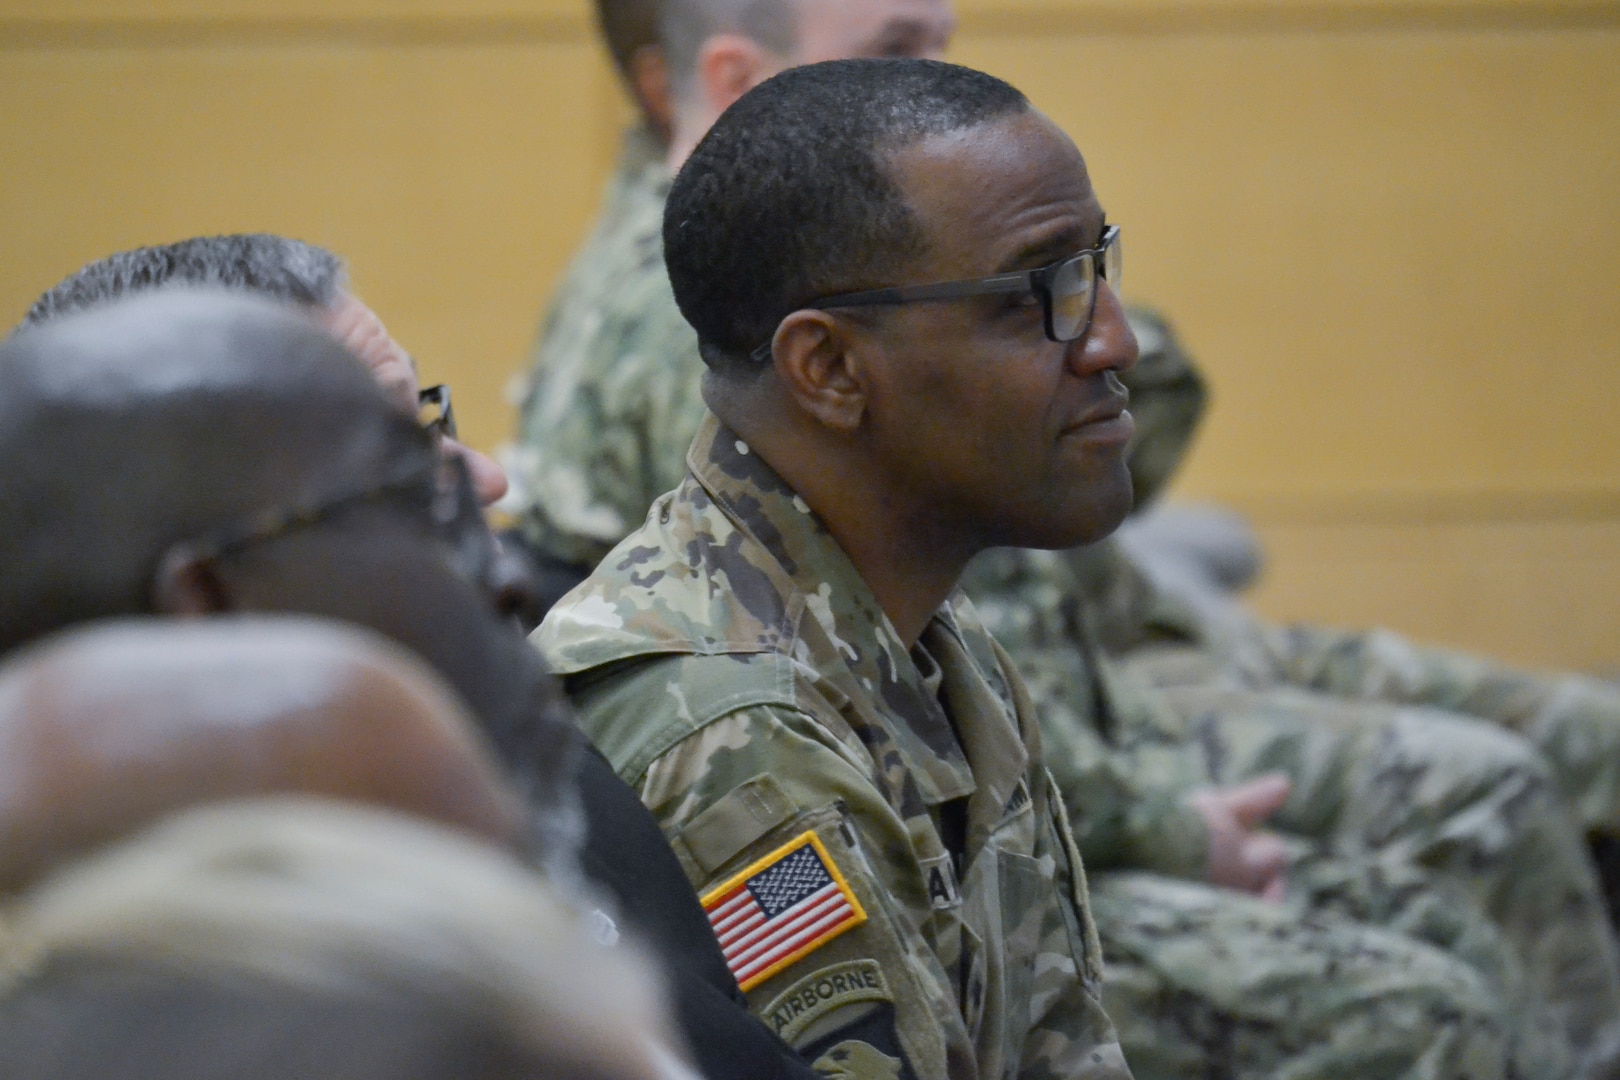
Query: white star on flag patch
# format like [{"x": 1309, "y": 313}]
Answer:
[{"x": 782, "y": 908}]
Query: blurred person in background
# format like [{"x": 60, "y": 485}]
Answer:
[
  {"x": 611, "y": 401},
  {"x": 312, "y": 280},
  {"x": 276, "y": 268},
  {"x": 296, "y": 938},
  {"x": 247, "y": 463}
]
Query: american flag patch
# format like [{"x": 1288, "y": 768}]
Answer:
[{"x": 783, "y": 907}]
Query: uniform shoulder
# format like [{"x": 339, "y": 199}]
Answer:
[
  {"x": 638, "y": 709},
  {"x": 687, "y": 582}
]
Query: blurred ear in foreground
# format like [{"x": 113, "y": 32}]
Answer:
[{"x": 293, "y": 937}]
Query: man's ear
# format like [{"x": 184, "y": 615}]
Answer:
[
  {"x": 730, "y": 65},
  {"x": 187, "y": 583},
  {"x": 814, "y": 363}
]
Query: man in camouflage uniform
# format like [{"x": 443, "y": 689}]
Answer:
[
  {"x": 848, "y": 766},
  {"x": 620, "y": 368}
]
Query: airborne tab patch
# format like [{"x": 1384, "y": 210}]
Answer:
[{"x": 780, "y": 909}]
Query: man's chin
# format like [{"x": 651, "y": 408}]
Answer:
[{"x": 1081, "y": 521}]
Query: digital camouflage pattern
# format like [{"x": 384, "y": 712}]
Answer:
[
  {"x": 611, "y": 401},
  {"x": 1205, "y": 983},
  {"x": 1187, "y": 639},
  {"x": 1437, "y": 827},
  {"x": 735, "y": 668},
  {"x": 1573, "y": 720}
]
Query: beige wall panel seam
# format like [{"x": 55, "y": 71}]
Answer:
[
  {"x": 1196, "y": 18},
  {"x": 1428, "y": 507},
  {"x": 194, "y": 33},
  {"x": 34, "y": 20}
]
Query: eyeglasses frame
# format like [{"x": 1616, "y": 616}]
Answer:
[
  {"x": 438, "y": 397},
  {"x": 272, "y": 522},
  {"x": 1034, "y": 281}
]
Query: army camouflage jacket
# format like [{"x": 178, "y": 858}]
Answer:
[
  {"x": 870, "y": 827},
  {"x": 612, "y": 398},
  {"x": 1114, "y": 749}
]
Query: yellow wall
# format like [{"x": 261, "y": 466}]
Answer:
[{"x": 1388, "y": 229}]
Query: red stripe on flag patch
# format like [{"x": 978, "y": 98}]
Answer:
[{"x": 780, "y": 909}]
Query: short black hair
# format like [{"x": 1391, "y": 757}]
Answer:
[
  {"x": 273, "y": 267},
  {"x": 789, "y": 196}
]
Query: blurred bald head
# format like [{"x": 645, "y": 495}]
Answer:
[
  {"x": 132, "y": 426},
  {"x": 291, "y": 937},
  {"x": 107, "y": 728},
  {"x": 205, "y": 454}
]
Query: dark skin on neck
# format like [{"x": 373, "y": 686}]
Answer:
[{"x": 922, "y": 434}]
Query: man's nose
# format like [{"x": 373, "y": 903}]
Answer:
[
  {"x": 1109, "y": 342},
  {"x": 488, "y": 479}
]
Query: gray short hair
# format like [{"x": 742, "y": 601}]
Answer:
[{"x": 273, "y": 267}]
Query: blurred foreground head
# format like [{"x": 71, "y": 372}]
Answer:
[
  {"x": 107, "y": 728},
  {"x": 308, "y": 278},
  {"x": 298, "y": 939},
  {"x": 207, "y": 454}
]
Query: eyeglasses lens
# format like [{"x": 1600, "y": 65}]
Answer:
[
  {"x": 1113, "y": 263},
  {"x": 1071, "y": 288}
]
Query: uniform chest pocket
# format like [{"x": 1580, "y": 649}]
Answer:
[{"x": 1002, "y": 913}]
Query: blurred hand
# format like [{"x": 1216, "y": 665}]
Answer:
[{"x": 1240, "y": 856}]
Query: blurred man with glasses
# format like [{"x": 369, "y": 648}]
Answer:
[{"x": 238, "y": 466}]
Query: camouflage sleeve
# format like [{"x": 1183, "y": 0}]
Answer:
[
  {"x": 605, "y": 430},
  {"x": 1574, "y": 721},
  {"x": 1123, "y": 781},
  {"x": 872, "y": 998},
  {"x": 868, "y": 1001},
  {"x": 1071, "y": 1034}
]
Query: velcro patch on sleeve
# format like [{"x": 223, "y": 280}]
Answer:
[
  {"x": 780, "y": 909},
  {"x": 821, "y": 992}
]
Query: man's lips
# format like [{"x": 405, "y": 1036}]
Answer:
[{"x": 1107, "y": 421}]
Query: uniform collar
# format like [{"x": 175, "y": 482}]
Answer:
[{"x": 845, "y": 614}]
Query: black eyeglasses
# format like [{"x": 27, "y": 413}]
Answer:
[
  {"x": 434, "y": 413},
  {"x": 1067, "y": 290},
  {"x": 414, "y": 481},
  {"x": 435, "y": 487}
]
